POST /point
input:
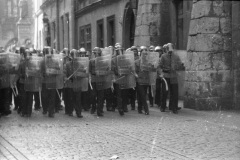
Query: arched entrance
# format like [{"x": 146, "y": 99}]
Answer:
[
  {"x": 128, "y": 27},
  {"x": 11, "y": 44}
]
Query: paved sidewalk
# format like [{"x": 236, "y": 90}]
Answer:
[{"x": 193, "y": 135}]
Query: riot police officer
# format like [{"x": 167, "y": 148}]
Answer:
[{"x": 170, "y": 63}]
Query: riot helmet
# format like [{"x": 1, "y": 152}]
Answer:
[
  {"x": 151, "y": 48},
  {"x": 119, "y": 50},
  {"x": 47, "y": 51},
  {"x": 135, "y": 50},
  {"x": 165, "y": 48},
  {"x": 81, "y": 52},
  {"x": 97, "y": 52},
  {"x": 73, "y": 53},
  {"x": 159, "y": 49},
  {"x": 170, "y": 48}
]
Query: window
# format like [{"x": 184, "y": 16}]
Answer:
[
  {"x": 54, "y": 34},
  {"x": 62, "y": 34},
  {"x": 111, "y": 30},
  {"x": 100, "y": 34},
  {"x": 85, "y": 37},
  {"x": 68, "y": 29},
  {"x": 9, "y": 8}
]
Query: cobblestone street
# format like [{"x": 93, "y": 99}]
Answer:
[{"x": 189, "y": 135}]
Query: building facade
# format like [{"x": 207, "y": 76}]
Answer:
[
  {"x": 205, "y": 34},
  {"x": 9, "y": 16},
  {"x": 15, "y": 30},
  {"x": 58, "y": 22},
  {"x": 212, "y": 68},
  {"x": 39, "y": 27}
]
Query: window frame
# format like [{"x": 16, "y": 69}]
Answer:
[{"x": 111, "y": 30}]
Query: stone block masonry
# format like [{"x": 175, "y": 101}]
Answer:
[{"x": 209, "y": 77}]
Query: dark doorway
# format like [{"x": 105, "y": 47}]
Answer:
[{"x": 128, "y": 27}]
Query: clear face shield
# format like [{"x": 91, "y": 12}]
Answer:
[
  {"x": 170, "y": 48},
  {"x": 81, "y": 54}
]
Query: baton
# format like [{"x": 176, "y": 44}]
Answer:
[
  {"x": 16, "y": 89},
  {"x": 40, "y": 97},
  {"x": 73, "y": 74},
  {"x": 152, "y": 90},
  {"x": 165, "y": 83},
  {"x": 112, "y": 88},
  {"x": 90, "y": 84},
  {"x": 58, "y": 94},
  {"x": 120, "y": 78},
  {"x": 13, "y": 92}
]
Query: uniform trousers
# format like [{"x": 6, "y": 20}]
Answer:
[
  {"x": 27, "y": 108},
  {"x": 142, "y": 92},
  {"x": 58, "y": 100},
  {"x": 100, "y": 101},
  {"x": 76, "y": 102},
  {"x": 173, "y": 88},
  {"x": 22, "y": 97},
  {"x": 122, "y": 95},
  {"x": 85, "y": 100},
  {"x": 67, "y": 99},
  {"x": 48, "y": 99},
  {"x": 150, "y": 96},
  {"x": 36, "y": 100},
  {"x": 17, "y": 98},
  {"x": 132, "y": 96},
  {"x": 4, "y": 101},
  {"x": 158, "y": 95},
  {"x": 93, "y": 97},
  {"x": 109, "y": 96}
]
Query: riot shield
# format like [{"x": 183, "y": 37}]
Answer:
[
  {"x": 4, "y": 71},
  {"x": 33, "y": 66},
  {"x": 33, "y": 80},
  {"x": 126, "y": 81},
  {"x": 54, "y": 71},
  {"x": 14, "y": 60},
  {"x": 106, "y": 51},
  {"x": 125, "y": 63},
  {"x": 149, "y": 61},
  {"x": 152, "y": 78},
  {"x": 81, "y": 66},
  {"x": 103, "y": 82},
  {"x": 54, "y": 64},
  {"x": 33, "y": 84},
  {"x": 103, "y": 65},
  {"x": 8, "y": 63},
  {"x": 147, "y": 78},
  {"x": 80, "y": 84}
]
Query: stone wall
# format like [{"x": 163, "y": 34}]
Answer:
[
  {"x": 236, "y": 51},
  {"x": 152, "y": 23},
  {"x": 209, "y": 77}
]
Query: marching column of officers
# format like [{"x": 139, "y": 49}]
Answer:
[{"x": 94, "y": 97}]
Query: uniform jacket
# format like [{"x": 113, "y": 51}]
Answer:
[{"x": 170, "y": 64}]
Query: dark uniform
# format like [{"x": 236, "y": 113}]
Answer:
[
  {"x": 74, "y": 94},
  {"x": 170, "y": 63},
  {"x": 158, "y": 95},
  {"x": 67, "y": 87},
  {"x": 48, "y": 103},
  {"x": 26, "y": 96},
  {"x": 142, "y": 89},
  {"x": 93, "y": 90},
  {"x": 5, "y": 91}
]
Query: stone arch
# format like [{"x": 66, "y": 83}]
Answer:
[
  {"x": 128, "y": 26},
  {"x": 11, "y": 44}
]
